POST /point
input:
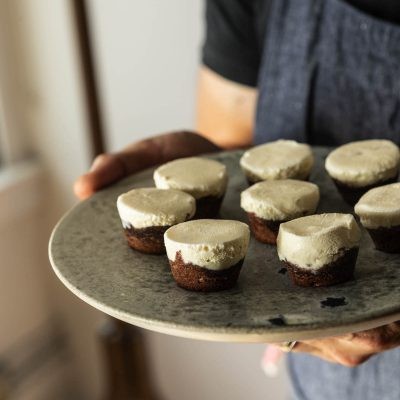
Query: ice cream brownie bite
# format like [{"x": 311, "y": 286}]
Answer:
[
  {"x": 319, "y": 250},
  {"x": 379, "y": 212},
  {"x": 147, "y": 213},
  {"x": 359, "y": 166},
  {"x": 270, "y": 203},
  {"x": 204, "y": 179},
  {"x": 207, "y": 255},
  {"x": 282, "y": 159}
]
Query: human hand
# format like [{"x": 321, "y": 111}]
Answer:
[
  {"x": 110, "y": 167},
  {"x": 353, "y": 349},
  {"x": 349, "y": 350}
]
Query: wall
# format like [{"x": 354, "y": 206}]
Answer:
[
  {"x": 45, "y": 111},
  {"x": 147, "y": 57}
]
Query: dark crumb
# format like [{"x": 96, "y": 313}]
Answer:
[
  {"x": 282, "y": 271},
  {"x": 278, "y": 321},
  {"x": 334, "y": 302}
]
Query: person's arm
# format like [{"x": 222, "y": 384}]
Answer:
[
  {"x": 225, "y": 110},
  {"x": 224, "y": 122},
  {"x": 353, "y": 349}
]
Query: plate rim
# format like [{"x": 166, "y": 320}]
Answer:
[{"x": 218, "y": 334}]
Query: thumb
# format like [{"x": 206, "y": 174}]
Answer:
[{"x": 106, "y": 168}]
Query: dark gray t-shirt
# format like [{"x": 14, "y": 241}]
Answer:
[{"x": 235, "y": 33}]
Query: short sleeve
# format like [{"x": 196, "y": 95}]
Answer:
[{"x": 232, "y": 43}]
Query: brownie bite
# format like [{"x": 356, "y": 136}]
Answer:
[
  {"x": 270, "y": 203},
  {"x": 282, "y": 159},
  {"x": 147, "y": 213},
  {"x": 204, "y": 179},
  {"x": 319, "y": 250},
  {"x": 207, "y": 255},
  {"x": 379, "y": 212},
  {"x": 359, "y": 166}
]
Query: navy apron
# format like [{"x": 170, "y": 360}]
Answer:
[{"x": 331, "y": 74}]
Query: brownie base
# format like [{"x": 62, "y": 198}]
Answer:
[
  {"x": 338, "y": 271},
  {"x": 265, "y": 231},
  {"x": 192, "y": 277},
  {"x": 386, "y": 239},
  {"x": 146, "y": 240},
  {"x": 208, "y": 207},
  {"x": 352, "y": 194}
]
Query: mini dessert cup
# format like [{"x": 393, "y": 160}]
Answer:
[
  {"x": 204, "y": 179},
  {"x": 270, "y": 203},
  {"x": 148, "y": 212},
  {"x": 207, "y": 255},
  {"x": 319, "y": 250},
  {"x": 360, "y": 166},
  {"x": 282, "y": 159},
  {"x": 379, "y": 212}
]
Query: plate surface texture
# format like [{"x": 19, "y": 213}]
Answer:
[{"x": 89, "y": 254}]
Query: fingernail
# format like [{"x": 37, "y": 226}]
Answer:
[{"x": 81, "y": 190}]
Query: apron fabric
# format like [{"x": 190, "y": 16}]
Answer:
[
  {"x": 315, "y": 379},
  {"x": 331, "y": 74}
]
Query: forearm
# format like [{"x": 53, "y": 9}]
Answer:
[{"x": 225, "y": 110}]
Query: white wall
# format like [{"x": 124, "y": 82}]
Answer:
[
  {"x": 47, "y": 113},
  {"x": 147, "y": 56},
  {"x": 57, "y": 123},
  {"x": 27, "y": 310},
  {"x": 196, "y": 370}
]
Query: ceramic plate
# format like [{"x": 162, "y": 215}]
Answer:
[{"x": 89, "y": 254}]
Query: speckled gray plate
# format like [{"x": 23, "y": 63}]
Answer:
[{"x": 89, "y": 254}]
